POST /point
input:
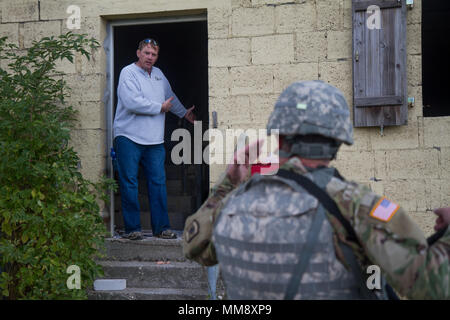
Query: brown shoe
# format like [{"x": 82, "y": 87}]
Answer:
[
  {"x": 133, "y": 236},
  {"x": 167, "y": 234}
]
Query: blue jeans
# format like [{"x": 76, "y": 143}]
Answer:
[{"x": 151, "y": 157}]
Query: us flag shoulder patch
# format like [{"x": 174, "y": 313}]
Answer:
[{"x": 384, "y": 210}]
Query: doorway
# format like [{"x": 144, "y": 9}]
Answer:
[{"x": 183, "y": 58}]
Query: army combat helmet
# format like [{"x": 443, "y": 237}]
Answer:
[{"x": 312, "y": 108}]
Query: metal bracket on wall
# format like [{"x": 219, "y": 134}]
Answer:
[{"x": 214, "y": 116}]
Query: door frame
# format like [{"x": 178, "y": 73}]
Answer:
[{"x": 108, "y": 45}]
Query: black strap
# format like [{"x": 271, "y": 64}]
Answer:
[
  {"x": 306, "y": 252},
  {"x": 436, "y": 236},
  {"x": 350, "y": 258},
  {"x": 332, "y": 208},
  {"x": 323, "y": 198}
]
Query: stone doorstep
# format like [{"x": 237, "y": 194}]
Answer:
[
  {"x": 137, "y": 261},
  {"x": 151, "y": 274},
  {"x": 150, "y": 294}
]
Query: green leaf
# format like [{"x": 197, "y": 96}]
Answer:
[
  {"x": 24, "y": 238},
  {"x": 60, "y": 219},
  {"x": 7, "y": 228}
]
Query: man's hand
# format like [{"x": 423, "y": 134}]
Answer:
[
  {"x": 238, "y": 171},
  {"x": 443, "y": 219},
  {"x": 167, "y": 105},
  {"x": 190, "y": 116}
]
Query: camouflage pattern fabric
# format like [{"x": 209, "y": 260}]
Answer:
[
  {"x": 312, "y": 107},
  {"x": 197, "y": 235},
  {"x": 398, "y": 247},
  {"x": 261, "y": 230},
  {"x": 414, "y": 269}
]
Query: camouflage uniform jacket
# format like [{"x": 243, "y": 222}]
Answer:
[{"x": 397, "y": 246}]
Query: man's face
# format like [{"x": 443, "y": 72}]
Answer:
[{"x": 147, "y": 57}]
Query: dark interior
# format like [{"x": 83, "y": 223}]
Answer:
[
  {"x": 183, "y": 58},
  {"x": 435, "y": 57}
]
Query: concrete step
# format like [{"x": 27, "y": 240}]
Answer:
[
  {"x": 155, "y": 269},
  {"x": 150, "y": 294},
  {"x": 149, "y": 249},
  {"x": 144, "y": 274}
]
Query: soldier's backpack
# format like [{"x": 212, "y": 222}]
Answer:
[{"x": 332, "y": 208}]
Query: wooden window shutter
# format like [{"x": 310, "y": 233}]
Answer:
[{"x": 379, "y": 65}]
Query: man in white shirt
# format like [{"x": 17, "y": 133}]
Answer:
[{"x": 144, "y": 97}]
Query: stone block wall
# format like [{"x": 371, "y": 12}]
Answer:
[
  {"x": 25, "y": 21},
  {"x": 256, "y": 48},
  {"x": 279, "y": 42}
]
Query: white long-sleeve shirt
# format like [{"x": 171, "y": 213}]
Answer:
[{"x": 140, "y": 98}]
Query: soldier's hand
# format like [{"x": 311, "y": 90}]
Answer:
[
  {"x": 443, "y": 219},
  {"x": 166, "y": 105},
  {"x": 238, "y": 171}
]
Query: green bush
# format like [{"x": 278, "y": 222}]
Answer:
[{"x": 49, "y": 214}]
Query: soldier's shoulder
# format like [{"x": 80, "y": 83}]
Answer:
[
  {"x": 272, "y": 194},
  {"x": 349, "y": 191}
]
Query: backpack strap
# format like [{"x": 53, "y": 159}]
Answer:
[
  {"x": 333, "y": 209},
  {"x": 436, "y": 236},
  {"x": 306, "y": 252},
  {"x": 323, "y": 198},
  {"x": 349, "y": 255}
]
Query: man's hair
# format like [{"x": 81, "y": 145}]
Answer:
[{"x": 148, "y": 41}]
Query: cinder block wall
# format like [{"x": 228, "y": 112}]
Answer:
[
  {"x": 273, "y": 42},
  {"x": 256, "y": 48}
]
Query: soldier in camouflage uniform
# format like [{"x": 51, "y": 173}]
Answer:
[{"x": 263, "y": 224}]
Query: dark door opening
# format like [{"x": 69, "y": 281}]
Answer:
[
  {"x": 183, "y": 58},
  {"x": 435, "y": 53}
]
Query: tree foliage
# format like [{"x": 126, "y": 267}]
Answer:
[{"x": 49, "y": 215}]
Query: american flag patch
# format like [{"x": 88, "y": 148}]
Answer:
[{"x": 384, "y": 210}]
